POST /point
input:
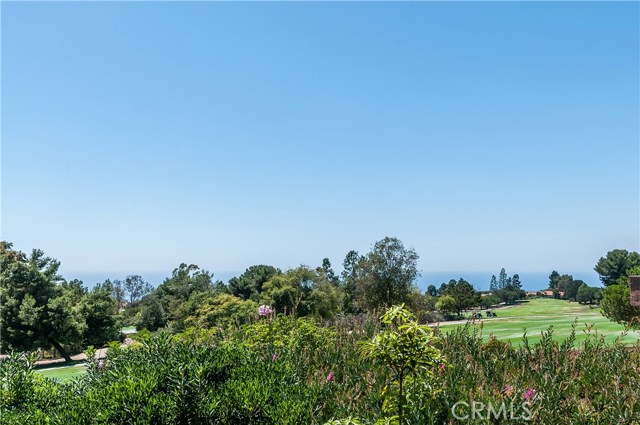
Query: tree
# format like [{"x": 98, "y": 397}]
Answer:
[
  {"x": 152, "y": 316},
  {"x": 615, "y": 265},
  {"x": 100, "y": 310},
  {"x": 289, "y": 292},
  {"x": 569, "y": 286},
  {"x": 351, "y": 268},
  {"x": 502, "y": 279},
  {"x": 249, "y": 284},
  {"x": 587, "y": 294},
  {"x": 185, "y": 281},
  {"x": 554, "y": 277},
  {"x": 432, "y": 291},
  {"x": 463, "y": 293},
  {"x": 388, "y": 273},
  {"x": 516, "y": 282},
  {"x": 447, "y": 305},
  {"x": 136, "y": 288},
  {"x": 493, "y": 286},
  {"x": 40, "y": 309},
  {"x": 616, "y": 301},
  {"x": 222, "y": 309},
  {"x": 118, "y": 291},
  {"x": 327, "y": 271}
]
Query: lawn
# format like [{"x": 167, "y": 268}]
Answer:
[
  {"x": 538, "y": 314},
  {"x": 64, "y": 373}
]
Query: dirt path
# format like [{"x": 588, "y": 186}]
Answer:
[{"x": 100, "y": 354}]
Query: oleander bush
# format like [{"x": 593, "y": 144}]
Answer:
[{"x": 282, "y": 370}]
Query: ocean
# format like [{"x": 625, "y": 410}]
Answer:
[{"x": 531, "y": 281}]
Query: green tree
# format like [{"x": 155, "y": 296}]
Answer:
[
  {"x": 432, "y": 291},
  {"x": 185, "y": 281},
  {"x": 516, "y": 282},
  {"x": 249, "y": 284},
  {"x": 447, "y": 305},
  {"x": 152, "y": 315},
  {"x": 493, "y": 286},
  {"x": 100, "y": 310},
  {"x": 39, "y": 308},
  {"x": 351, "y": 268},
  {"x": 387, "y": 275},
  {"x": 587, "y": 294},
  {"x": 407, "y": 349},
  {"x": 327, "y": 272},
  {"x": 222, "y": 310},
  {"x": 615, "y": 265},
  {"x": 554, "y": 277},
  {"x": 136, "y": 288},
  {"x": 502, "y": 279},
  {"x": 463, "y": 293},
  {"x": 616, "y": 301}
]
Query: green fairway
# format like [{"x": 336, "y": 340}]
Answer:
[
  {"x": 64, "y": 373},
  {"x": 538, "y": 314}
]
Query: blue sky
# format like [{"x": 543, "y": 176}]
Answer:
[{"x": 136, "y": 136}]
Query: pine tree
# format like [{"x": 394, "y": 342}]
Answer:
[
  {"x": 494, "y": 284},
  {"x": 502, "y": 280}
]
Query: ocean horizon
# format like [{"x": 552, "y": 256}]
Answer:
[{"x": 531, "y": 281}]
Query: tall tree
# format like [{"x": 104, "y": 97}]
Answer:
[
  {"x": 388, "y": 274},
  {"x": 615, "y": 265},
  {"x": 516, "y": 282},
  {"x": 136, "y": 288},
  {"x": 351, "y": 267},
  {"x": 554, "y": 277},
  {"x": 432, "y": 291},
  {"x": 502, "y": 279},
  {"x": 328, "y": 272},
  {"x": 493, "y": 286}
]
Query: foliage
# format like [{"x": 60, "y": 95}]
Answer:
[
  {"x": 406, "y": 348},
  {"x": 616, "y": 305},
  {"x": 615, "y": 265},
  {"x": 386, "y": 275},
  {"x": 41, "y": 309}
]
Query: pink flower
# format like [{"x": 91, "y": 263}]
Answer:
[
  {"x": 442, "y": 367},
  {"x": 264, "y": 310},
  {"x": 274, "y": 357},
  {"x": 508, "y": 390},
  {"x": 330, "y": 377},
  {"x": 128, "y": 341},
  {"x": 529, "y": 394}
]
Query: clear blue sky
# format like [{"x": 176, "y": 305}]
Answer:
[{"x": 136, "y": 136}]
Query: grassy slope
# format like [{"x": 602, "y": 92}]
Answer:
[
  {"x": 538, "y": 314},
  {"x": 64, "y": 373}
]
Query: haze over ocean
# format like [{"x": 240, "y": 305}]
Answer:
[{"x": 531, "y": 281}]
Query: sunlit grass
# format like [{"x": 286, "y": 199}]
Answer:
[{"x": 538, "y": 314}]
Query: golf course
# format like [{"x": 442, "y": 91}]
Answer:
[{"x": 538, "y": 314}]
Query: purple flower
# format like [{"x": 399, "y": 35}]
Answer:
[
  {"x": 330, "y": 377},
  {"x": 128, "y": 341},
  {"x": 100, "y": 364},
  {"x": 264, "y": 310},
  {"x": 529, "y": 394}
]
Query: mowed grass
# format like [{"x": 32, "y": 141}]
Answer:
[
  {"x": 64, "y": 373},
  {"x": 538, "y": 314}
]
